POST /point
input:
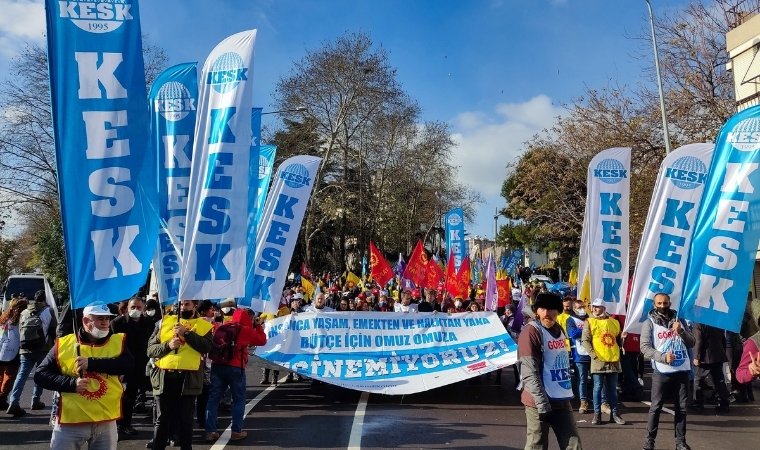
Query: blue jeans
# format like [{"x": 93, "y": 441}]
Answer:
[
  {"x": 583, "y": 369},
  {"x": 28, "y": 362},
  {"x": 609, "y": 381},
  {"x": 221, "y": 377}
]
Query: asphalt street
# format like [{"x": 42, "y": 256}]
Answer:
[{"x": 476, "y": 413}]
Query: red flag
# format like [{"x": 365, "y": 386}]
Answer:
[
  {"x": 463, "y": 279},
  {"x": 451, "y": 276},
  {"x": 305, "y": 272},
  {"x": 417, "y": 265},
  {"x": 380, "y": 269},
  {"x": 505, "y": 292},
  {"x": 433, "y": 275}
]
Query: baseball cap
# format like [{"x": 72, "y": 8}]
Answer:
[
  {"x": 598, "y": 302},
  {"x": 96, "y": 310},
  {"x": 297, "y": 295}
]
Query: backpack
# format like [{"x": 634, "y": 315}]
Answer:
[
  {"x": 223, "y": 343},
  {"x": 32, "y": 336}
]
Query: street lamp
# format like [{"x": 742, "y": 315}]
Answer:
[{"x": 659, "y": 81}]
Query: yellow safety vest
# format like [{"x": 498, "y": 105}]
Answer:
[
  {"x": 101, "y": 402},
  {"x": 604, "y": 334},
  {"x": 186, "y": 357}
]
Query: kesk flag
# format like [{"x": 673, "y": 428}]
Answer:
[
  {"x": 221, "y": 196},
  {"x": 173, "y": 99},
  {"x": 455, "y": 242},
  {"x": 277, "y": 235},
  {"x": 726, "y": 231},
  {"x": 661, "y": 264},
  {"x": 433, "y": 275},
  {"x": 417, "y": 265},
  {"x": 106, "y": 170},
  {"x": 492, "y": 293},
  {"x": 267, "y": 155},
  {"x": 380, "y": 269},
  {"x": 606, "y": 219}
]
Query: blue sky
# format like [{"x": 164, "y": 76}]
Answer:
[{"x": 497, "y": 71}]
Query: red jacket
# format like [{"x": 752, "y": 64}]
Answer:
[{"x": 248, "y": 335}]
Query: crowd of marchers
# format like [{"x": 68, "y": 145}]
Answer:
[{"x": 180, "y": 364}]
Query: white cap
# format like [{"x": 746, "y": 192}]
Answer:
[
  {"x": 598, "y": 302},
  {"x": 297, "y": 295},
  {"x": 97, "y": 310}
]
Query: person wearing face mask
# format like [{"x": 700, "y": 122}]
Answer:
[
  {"x": 228, "y": 306},
  {"x": 458, "y": 305},
  {"x": 664, "y": 341},
  {"x": 152, "y": 311},
  {"x": 85, "y": 368},
  {"x": 406, "y": 305},
  {"x": 137, "y": 329},
  {"x": 581, "y": 358},
  {"x": 177, "y": 344}
]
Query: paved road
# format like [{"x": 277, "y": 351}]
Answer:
[{"x": 472, "y": 414}]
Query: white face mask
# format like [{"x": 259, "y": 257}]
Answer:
[
  {"x": 458, "y": 304},
  {"x": 97, "y": 333},
  {"x": 150, "y": 312},
  {"x": 135, "y": 313},
  {"x": 227, "y": 310},
  {"x": 580, "y": 311}
]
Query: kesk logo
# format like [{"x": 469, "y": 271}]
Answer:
[
  {"x": 227, "y": 72},
  {"x": 264, "y": 169},
  {"x": 561, "y": 371},
  {"x": 746, "y": 135},
  {"x": 96, "y": 16},
  {"x": 173, "y": 101},
  {"x": 687, "y": 172},
  {"x": 675, "y": 345},
  {"x": 610, "y": 171},
  {"x": 296, "y": 176},
  {"x": 455, "y": 219}
]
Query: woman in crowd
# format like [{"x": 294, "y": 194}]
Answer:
[{"x": 10, "y": 343}]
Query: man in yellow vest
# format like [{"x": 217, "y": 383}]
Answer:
[
  {"x": 85, "y": 369},
  {"x": 177, "y": 346},
  {"x": 601, "y": 339}
]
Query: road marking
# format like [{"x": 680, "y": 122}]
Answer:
[
  {"x": 225, "y": 437},
  {"x": 667, "y": 410},
  {"x": 355, "y": 440}
]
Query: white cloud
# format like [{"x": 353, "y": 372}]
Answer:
[
  {"x": 488, "y": 141},
  {"x": 21, "y": 20}
]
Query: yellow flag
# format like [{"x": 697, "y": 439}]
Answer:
[
  {"x": 353, "y": 278},
  {"x": 585, "y": 293},
  {"x": 308, "y": 287},
  {"x": 573, "y": 278}
]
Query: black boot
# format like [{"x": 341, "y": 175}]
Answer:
[{"x": 265, "y": 376}]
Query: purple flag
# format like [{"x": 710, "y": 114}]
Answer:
[
  {"x": 491, "y": 288},
  {"x": 519, "y": 317}
]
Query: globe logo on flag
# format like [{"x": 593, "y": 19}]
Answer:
[
  {"x": 610, "y": 171},
  {"x": 454, "y": 220},
  {"x": 687, "y": 172},
  {"x": 296, "y": 176},
  {"x": 174, "y": 101},
  {"x": 264, "y": 169},
  {"x": 227, "y": 72},
  {"x": 745, "y": 136},
  {"x": 96, "y": 16}
]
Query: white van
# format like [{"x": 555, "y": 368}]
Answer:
[{"x": 28, "y": 284}]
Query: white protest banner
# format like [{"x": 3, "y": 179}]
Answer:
[
  {"x": 665, "y": 243},
  {"x": 389, "y": 353},
  {"x": 221, "y": 197},
  {"x": 278, "y": 233},
  {"x": 607, "y": 205}
]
